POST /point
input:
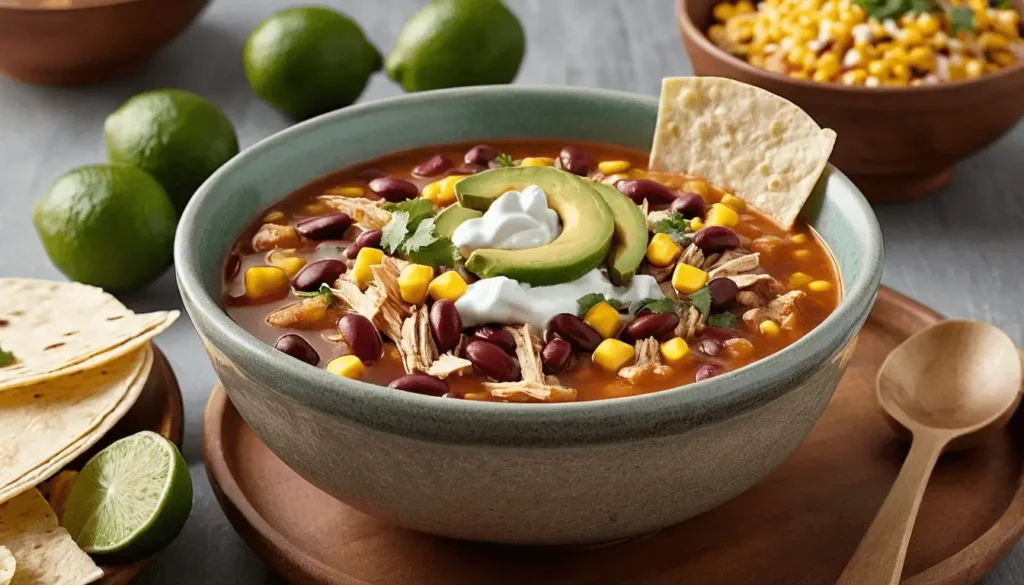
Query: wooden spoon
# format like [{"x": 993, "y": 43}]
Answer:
[{"x": 950, "y": 386}]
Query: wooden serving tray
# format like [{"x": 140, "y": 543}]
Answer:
[{"x": 798, "y": 526}]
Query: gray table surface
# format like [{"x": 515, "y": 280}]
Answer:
[{"x": 960, "y": 251}]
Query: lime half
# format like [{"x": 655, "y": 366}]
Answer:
[{"x": 131, "y": 499}]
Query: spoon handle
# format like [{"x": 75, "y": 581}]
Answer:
[{"x": 879, "y": 557}]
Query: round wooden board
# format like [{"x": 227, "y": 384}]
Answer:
[
  {"x": 158, "y": 409},
  {"x": 798, "y": 526}
]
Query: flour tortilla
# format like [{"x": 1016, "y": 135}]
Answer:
[
  {"x": 46, "y": 426},
  {"x": 743, "y": 138},
  {"x": 44, "y": 552},
  {"x": 7, "y": 566},
  {"x": 58, "y": 328}
]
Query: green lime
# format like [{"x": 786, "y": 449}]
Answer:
[
  {"x": 309, "y": 60},
  {"x": 111, "y": 226},
  {"x": 175, "y": 135},
  {"x": 453, "y": 43},
  {"x": 131, "y": 499}
]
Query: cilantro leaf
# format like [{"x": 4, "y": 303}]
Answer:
[
  {"x": 662, "y": 305},
  {"x": 423, "y": 237},
  {"x": 441, "y": 252},
  {"x": 395, "y": 231},
  {"x": 702, "y": 300},
  {"x": 1004, "y": 4},
  {"x": 883, "y": 9},
  {"x": 674, "y": 226},
  {"x": 6, "y": 358},
  {"x": 416, "y": 209},
  {"x": 587, "y": 302},
  {"x": 961, "y": 19},
  {"x": 725, "y": 320},
  {"x": 505, "y": 160}
]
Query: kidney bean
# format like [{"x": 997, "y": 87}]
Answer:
[
  {"x": 707, "y": 371},
  {"x": 497, "y": 336},
  {"x": 689, "y": 205},
  {"x": 394, "y": 189},
  {"x": 466, "y": 169},
  {"x": 445, "y": 324},
  {"x": 421, "y": 384},
  {"x": 718, "y": 333},
  {"x": 714, "y": 239},
  {"x": 371, "y": 174},
  {"x": 491, "y": 361},
  {"x": 481, "y": 154},
  {"x": 572, "y": 329},
  {"x": 367, "y": 239},
  {"x": 316, "y": 273},
  {"x": 723, "y": 293},
  {"x": 556, "y": 356},
  {"x": 433, "y": 166},
  {"x": 710, "y": 345},
  {"x": 361, "y": 336},
  {"x": 297, "y": 347},
  {"x": 325, "y": 227},
  {"x": 640, "y": 189},
  {"x": 575, "y": 161},
  {"x": 660, "y": 326}
]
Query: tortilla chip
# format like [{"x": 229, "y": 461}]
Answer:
[
  {"x": 44, "y": 552},
  {"x": 58, "y": 328},
  {"x": 743, "y": 138},
  {"x": 45, "y": 426}
]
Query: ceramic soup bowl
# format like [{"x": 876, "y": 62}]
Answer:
[{"x": 566, "y": 473}]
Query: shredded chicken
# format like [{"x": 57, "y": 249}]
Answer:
[
  {"x": 393, "y": 309},
  {"x": 693, "y": 256},
  {"x": 767, "y": 245},
  {"x": 736, "y": 266},
  {"x": 271, "y": 235},
  {"x": 710, "y": 261},
  {"x": 449, "y": 365},
  {"x": 366, "y": 213},
  {"x": 750, "y": 299},
  {"x": 660, "y": 274},
  {"x": 648, "y": 360},
  {"x": 416, "y": 344},
  {"x": 690, "y": 323},
  {"x": 668, "y": 290},
  {"x": 534, "y": 387},
  {"x": 308, "y": 313},
  {"x": 745, "y": 281},
  {"x": 366, "y": 305},
  {"x": 656, "y": 216},
  {"x": 781, "y": 309}
]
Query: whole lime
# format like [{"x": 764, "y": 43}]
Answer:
[
  {"x": 309, "y": 60},
  {"x": 453, "y": 43},
  {"x": 110, "y": 226},
  {"x": 175, "y": 135}
]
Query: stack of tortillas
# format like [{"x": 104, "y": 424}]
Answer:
[{"x": 76, "y": 360}]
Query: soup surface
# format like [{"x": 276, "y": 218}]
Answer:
[{"x": 610, "y": 309}]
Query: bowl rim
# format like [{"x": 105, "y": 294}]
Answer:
[
  {"x": 13, "y": 6},
  {"x": 470, "y": 422},
  {"x": 689, "y": 29}
]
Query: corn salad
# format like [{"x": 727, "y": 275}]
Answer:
[{"x": 839, "y": 41}]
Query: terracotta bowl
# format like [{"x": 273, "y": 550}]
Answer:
[
  {"x": 893, "y": 143},
  {"x": 85, "y": 41}
]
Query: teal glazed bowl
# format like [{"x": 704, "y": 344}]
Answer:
[{"x": 570, "y": 473}]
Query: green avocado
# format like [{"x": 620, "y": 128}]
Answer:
[
  {"x": 452, "y": 217},
  {"x": 587, "y": 225},
  {"x": 629, "y": 244}
]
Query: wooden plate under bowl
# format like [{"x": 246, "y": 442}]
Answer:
[{"x": 798, "y": 526}]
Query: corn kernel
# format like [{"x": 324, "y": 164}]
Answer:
[
  {"x": 431, "y": 191},
  {"x": 734, "y": 202},
  {"x": 318, "y": 208},
  {"x": 537, "y": 161},
  {"x": 265, "y": 282},
  {"x": 828, "y": 64},
  {"x": 662, "y": 251},
  {"x": 722, "y": 215},
  {"x": 801, "y": 254},
  {"x": 716, "y": 33},
  {"x": 346, "y": 191},
  {"x": 674, "y": 350},
  {"x": 1003, "y": 58},
  {"x": 604, "y": 319},
  {"x": 799, "y": 280},
  {"x": 444, "y": 192},
  {"x": 447, "y": 286},
  {"x": 613, "y": 355},
  {"x": 911, "y": 37},
  {"x": 769, "y": 327},
  {"x": 723, "y": 12},
  {"x": 290, "y": 264},
  {"x": 821, "y": 77},
  {"x": 697, "y": 186},
  {"x": 696, "y": 224},
  {"x": 854, "y": 77},
  {"x": 921, "y": 58},
  {"x": 744, "y": 7},
  {"x": 610, "y": 167},
  {"x": 688, "y": 279},
  {"x": 346, "y": 366},
  {"x": 413, "y": 282},
  {"x": 820, "y": 286},
  {"x": 879, "y": 68},
  {"x": 927, "y": 24},
  {"x": 974, "y": 68},
  {"x": 361, "y": 269},
  {"x": 799, "y": 75},
  {"x": 273, "y": 217},
  {"x": 799, "y": 239}
]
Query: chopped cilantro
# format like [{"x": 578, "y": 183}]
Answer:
[
  {"x": 6, "y": 358},
  {"x": 702, "y": 300},
  {"x": 423, "y": 237},
  {"x": 505, "y": 160},
  {"x": 1003, "y": 4},
  {"x": 883, "y": 9},
  {"x": 441, "y": 252},
  {"x": 323, "y": 291},
  {"x": 587, "y": 302},
  {"x": 662, "y": 305},
  {"x": 961, "y": 19},
  {"x": 416, "y": 209},
  {"x": 725, "y": 320},
  {"x": 675, "y": 226},
  {"x": 395, "y": 231}
]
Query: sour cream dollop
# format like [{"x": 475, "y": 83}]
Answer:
[
  {"x": 506, "y": 301},
  {"x": 515, "y": 221}
]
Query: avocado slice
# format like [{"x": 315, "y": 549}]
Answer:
[
  {"x": 629, "y": 244},
  {"x": 587, "y": 225},
  {"x": 452, "y": 217}
]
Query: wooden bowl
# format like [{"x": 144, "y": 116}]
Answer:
[
  {"x": 895, "y": 143},
  {"x": 69, "y": 42}
]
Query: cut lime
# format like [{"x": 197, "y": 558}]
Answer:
[{"x": 131, "y": 499}]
